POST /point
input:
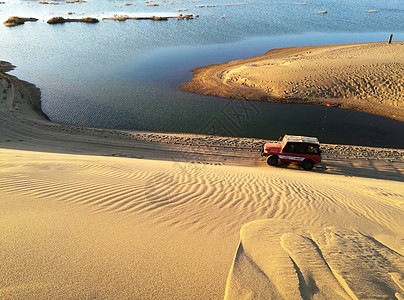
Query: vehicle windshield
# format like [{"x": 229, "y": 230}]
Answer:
[{"x": 284, "y": 140}]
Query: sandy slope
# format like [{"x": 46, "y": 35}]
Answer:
[
  {"x": 366, "y": 77},
  {"x": 87, "y": 226},
  {"x": 92, "y": 213}
]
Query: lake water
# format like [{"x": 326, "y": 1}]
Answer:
[{"x": 124, "y": 74}]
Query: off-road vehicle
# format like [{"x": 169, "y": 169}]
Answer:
[{"x": 303, "y": 150}]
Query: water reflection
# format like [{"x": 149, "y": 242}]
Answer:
[{"x": 145, "y": 97}]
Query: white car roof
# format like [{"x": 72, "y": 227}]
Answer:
[{"x": 301, "y": 139}]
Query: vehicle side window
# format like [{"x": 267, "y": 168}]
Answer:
[
  {"x": 313, "y": 149},
  {"x": 289, "y": 148},
  {"x": 301, "y": 148}
]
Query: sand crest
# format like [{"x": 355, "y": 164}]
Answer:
[{"x": 366, "y": 77}]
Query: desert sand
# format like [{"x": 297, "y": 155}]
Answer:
[
  {"x": 95, "y": 213},
  {"x": 366, "y": 77}
]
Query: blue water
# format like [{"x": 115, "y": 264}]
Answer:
[{"x": 124, "y": 74}]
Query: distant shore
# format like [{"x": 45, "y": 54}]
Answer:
[{"x": 365, "y": 77}]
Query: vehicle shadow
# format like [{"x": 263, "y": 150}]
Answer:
[
  {"x": 361, "y": 167},
  {"x": 352, "y": 167}
]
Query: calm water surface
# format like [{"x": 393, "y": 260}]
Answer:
[{"x": 124, "y": 74}]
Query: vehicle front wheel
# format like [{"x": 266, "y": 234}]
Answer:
[
  {"x": 272, "y": 160},
  {"x": 308, "y": 164}
]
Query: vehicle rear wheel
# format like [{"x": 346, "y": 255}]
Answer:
[
  {"x": 308, "y": 164},
  {"x": 272, "y": 160}
]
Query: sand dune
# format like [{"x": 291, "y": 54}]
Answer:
[
  {"x": 94, "y": 213},
  {"x": 99, "y": 206},
  {"x": 366, "y": 77}
]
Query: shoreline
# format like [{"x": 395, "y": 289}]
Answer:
[
  {"x": 22, "y": 108},
  {"x": 19, "y": 96},
  {"x": 175, "y": 207},
  {"x": 365, "y": 77}
]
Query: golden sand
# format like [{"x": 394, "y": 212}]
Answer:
[
  {"x": 94, "y": 213},
  {"x": 366, "y": 77}
]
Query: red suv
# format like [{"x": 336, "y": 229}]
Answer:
[{"x": 304, "y": 150}]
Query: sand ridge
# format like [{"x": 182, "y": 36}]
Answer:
[{"x": 366, "y": 77}]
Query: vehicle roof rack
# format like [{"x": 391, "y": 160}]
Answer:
[{"x": 302, "y": 139}]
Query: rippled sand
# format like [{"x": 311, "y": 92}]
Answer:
[{"x": 91, "y": 226}]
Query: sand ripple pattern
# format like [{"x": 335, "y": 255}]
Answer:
[
  {"x": 284, "y": 260},
  {"x": 212, "y": 198},
  {"x": 367, "y": 77},
  {"x": 308, "y": 235}
]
